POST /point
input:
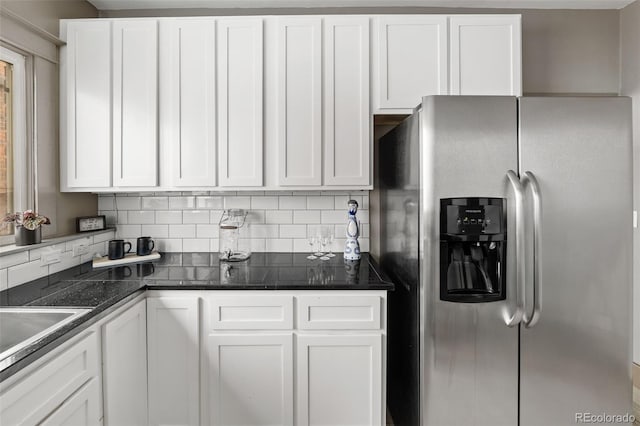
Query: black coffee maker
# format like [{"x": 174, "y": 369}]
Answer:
[{"x": 473, "y": 246}]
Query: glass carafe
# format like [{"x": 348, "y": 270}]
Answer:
[{"x": 235, "y": 242}]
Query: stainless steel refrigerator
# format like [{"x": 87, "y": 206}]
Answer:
[{"x": 506, "y": 224}]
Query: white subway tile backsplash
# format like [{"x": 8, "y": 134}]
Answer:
[
  {"x": 320, "y": 203},
  {"x": 333, "y": 216},
  {"x": 123, "y": 218},
  {"x": 155, "y": 203},
  {"x": 128, "y": 231},
  {"x": 278, "y": 220},
  {"x": 127, "y": 203},
  {"x": 182, "y": 203},
  {"x": 106, "y": 202},
  {"x": 292, "y": 202},
  {"x": 155, "y": 231},
  {"x": 293, "y": 231},
  {"x": 207, "y": 231},
  {"x": 258, "y": 244},
  {"x": 264, "y": 231},
  {"x": 69, "y": 245},
  {"x": 263, "y": 203},
  {"x": 169, "y": 244},
  {"x": 306, "y": 216},
  {"x": 279, "y": 244},
  {"x": 141, "y": 217},
  {"x": 195, "y": 216},
  {"x": 182, "y": 231},
  {"x": 169, "y": 217},
  {"x": 209, "y": 203},
  {"x": 67, "y": 260},
  {"x": 4, "y": 283},
  {"x": 237, "y": 202},
  {"x": 279, "y": 216},
  {"x": 14, "y": 259},
  {"x": 24, "y": 272},
  {"x": 195, "y": 245},
  {"x": 103, "y": 237}
]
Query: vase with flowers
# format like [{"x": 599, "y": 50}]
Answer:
[{"x": 28, "y": 226}]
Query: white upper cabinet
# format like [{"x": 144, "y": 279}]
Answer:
[
  {"x": 347, "y": 119},
  {"x": 240, "y": 81},
  {"x": 85, "y": 126},
  {"x": 135, "y": 103},
  {"x": 299, "y": 107},
  {"x": 188, "y": 102},
  {"x": 486, "y": 55},
  {"x": 410, "y": 54}
]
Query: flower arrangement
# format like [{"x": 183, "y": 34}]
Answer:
[{"x": 28, "y": 219}]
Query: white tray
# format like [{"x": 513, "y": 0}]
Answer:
[{"x": 101, "y": 262}]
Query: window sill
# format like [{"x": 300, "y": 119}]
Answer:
[{"x": 12, "y": 248}]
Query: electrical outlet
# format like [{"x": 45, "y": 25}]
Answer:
[
  {"x": 50, "y": 256},
  {"x": 80, "y": 249}
]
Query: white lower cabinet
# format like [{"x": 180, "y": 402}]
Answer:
[
  {"x": 63, "y": 389},
  {"x": 339, "y": 379},
  {"x": 250, "y": 379},
  {"x": 82, "y": 408},
  {"x": 173, "y": 344},
  {"x": 124, "y": 360}
]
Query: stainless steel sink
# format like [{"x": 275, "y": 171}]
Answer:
[{"x": 21, "y": 326}]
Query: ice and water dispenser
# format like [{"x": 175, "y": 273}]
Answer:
[{"x": 473, "y": 247}]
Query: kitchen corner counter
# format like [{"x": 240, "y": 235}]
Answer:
[{"x": 105, "y": 290}]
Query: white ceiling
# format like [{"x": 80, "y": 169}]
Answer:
[{"x": 207, "y": 4}]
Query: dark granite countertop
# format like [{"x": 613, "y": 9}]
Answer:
[{"x": 106, "y": 289}]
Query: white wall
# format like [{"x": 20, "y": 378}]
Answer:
[
  {"x": 630, "y": 86},
  {"x": 30, "y": 40}
]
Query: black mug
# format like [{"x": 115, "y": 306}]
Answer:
[
  {"x": 121, "y": 272},
  {"x": 116, "y": 249},
  {"x": 144, "y": 246}
]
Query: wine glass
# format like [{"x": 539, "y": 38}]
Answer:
[
  {"x": 316, "y": 231},
  {"x": 330, "y": 238},
  {"x": 311, "y": 238},
  {"x": 324, "y": 240}
]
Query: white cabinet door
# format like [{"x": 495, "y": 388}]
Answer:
[
  {"x": 81, "y": 409},
  {"x": 485, "y": 55},
  {"x": 240, "y": 80},
  {"x": 124, "y": 359},
  {"x": 187, "y": 101},
  {"x": 299, "y": 53},
  {"x": 135, "y": 102},
  {"x": 173, "y": 360},
  {"x": 347, "y": 125},
  {"x": 85, "y": 94},
  {"x": 411, "y": 61},
  {"x": 250, "y": 379},
  {"x": 339, "y": 380}
]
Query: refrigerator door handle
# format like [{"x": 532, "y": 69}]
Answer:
[
  {"x": 518, "y": 263},
  {"x": 529, "y": 179}
]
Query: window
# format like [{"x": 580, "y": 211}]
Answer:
[{"x": 13, "y": 141}]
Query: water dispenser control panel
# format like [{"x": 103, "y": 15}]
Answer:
[{"x": 473, "y": 241}]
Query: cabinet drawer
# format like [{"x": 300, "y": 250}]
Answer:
[
  {"x": 338, "y": 312},
  {"x": 33, "y": 398},
  {"x": 252, "y": 313}
]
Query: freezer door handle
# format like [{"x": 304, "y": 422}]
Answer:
[
  {"x": 529, "y": 180},
  {"x": 517, "y": 263}
]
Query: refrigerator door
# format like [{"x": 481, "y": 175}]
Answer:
[
  {"x": 577, "y": 358},
  {"x": 469, "y": 357}
]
